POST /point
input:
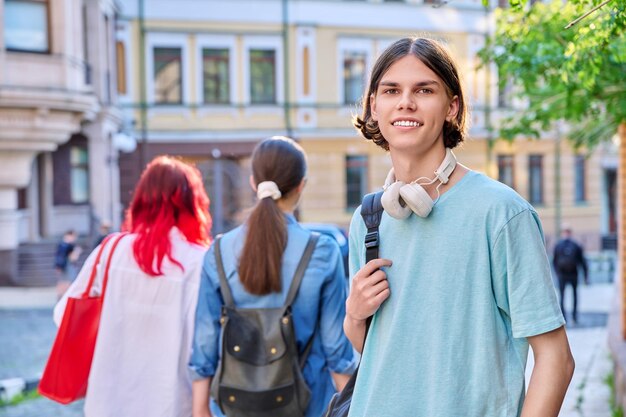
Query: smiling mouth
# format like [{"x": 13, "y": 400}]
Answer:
[{"x": 407, "y": 123}]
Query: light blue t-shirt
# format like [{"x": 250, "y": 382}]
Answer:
[{"x": 468, "y": 284}]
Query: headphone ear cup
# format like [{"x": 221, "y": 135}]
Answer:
[
  {"x": 391, "y": 201},
  {"x": 417, "y": 199}
]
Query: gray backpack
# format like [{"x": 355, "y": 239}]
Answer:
[{"x": 259, "y": 373}]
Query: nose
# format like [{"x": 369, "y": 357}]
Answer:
[{"x": 406, "y": 101}]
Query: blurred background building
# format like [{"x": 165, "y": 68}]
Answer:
[
  {"x": 58, "y": 120},
  {"x": 207, "y": 79}
]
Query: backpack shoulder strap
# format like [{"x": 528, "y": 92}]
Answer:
[
  {"x": 372, "y": 212},
  {"x": 299, "y": 274},
  {"x": 227, "y": 295}
]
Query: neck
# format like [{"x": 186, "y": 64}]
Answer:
[
  {"x": 408, "y": 167},
  {"x": 289, "y": 203}
]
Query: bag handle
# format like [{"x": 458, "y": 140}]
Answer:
[
  {"x": 105, "y": 280},
  {"x": 92, "y": 277},
  {"x": 299, "y": 274}
]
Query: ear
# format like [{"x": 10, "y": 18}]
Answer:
[
  {"x": 301, "y": 185},
  {"x": 453, "y": 109},
  {"x": 373, "y": 110},
  {"x": 252, "y": 184}
]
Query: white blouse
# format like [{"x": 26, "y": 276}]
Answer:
[{"x": 140, "y": 361}]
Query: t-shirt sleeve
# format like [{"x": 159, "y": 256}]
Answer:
[
  {"x": 356, "y": 252},
  {"x": 522, "y": 280}
]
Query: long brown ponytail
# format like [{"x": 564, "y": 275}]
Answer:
[{"x": 281, "y": 160}]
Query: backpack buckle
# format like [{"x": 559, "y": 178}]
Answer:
[{"x": 371, "y": 239}]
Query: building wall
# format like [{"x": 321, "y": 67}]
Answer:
[
  {"x": 310, "y": 105},
  {"x": 55, "y": 82}
]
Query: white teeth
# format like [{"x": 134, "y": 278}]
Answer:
[{"x": 406, "y": 123}]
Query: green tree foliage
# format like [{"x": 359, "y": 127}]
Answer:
[{"x": 577, "y": 75}]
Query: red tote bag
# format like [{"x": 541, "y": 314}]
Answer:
[{"x": 65, "y": 377}]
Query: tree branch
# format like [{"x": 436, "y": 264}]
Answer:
[{"x": 572, "y": 23}]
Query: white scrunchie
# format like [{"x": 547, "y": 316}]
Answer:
[{"x": 268, "y": 189}]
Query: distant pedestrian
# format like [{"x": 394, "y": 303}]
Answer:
[
  {"x": 63, "y": 260},
  {"x": 103, "y": 231},
  {"x": 569, "y": 261},
  {"x": 140, "y": 361},
  {"x": 260, "y": 259},
  {"x": 463, "y": 283}
]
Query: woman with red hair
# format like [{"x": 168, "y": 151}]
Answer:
[{"x": 139, "y": 365}]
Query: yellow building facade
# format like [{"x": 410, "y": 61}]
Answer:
[{"x": 208, "y": 82}]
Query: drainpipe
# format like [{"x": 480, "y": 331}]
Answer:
[
  {"x": 142, "y": 87},
  {"x": 286, "y": 78}
]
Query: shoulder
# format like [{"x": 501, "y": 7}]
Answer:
[
  {"x": 325, "y": 244},
  {"x": 500, "y": 202}
]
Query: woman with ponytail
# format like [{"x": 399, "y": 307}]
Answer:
[
  {"x": 260, "y": 258},
  {"x": 140, "y": 361}
]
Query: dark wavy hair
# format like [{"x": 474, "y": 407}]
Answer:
[
  {"x": 170, "y": 193},
  {"x": 436, "y": 57}
]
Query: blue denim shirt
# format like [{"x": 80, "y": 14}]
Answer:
[{"x": 318, "y": 310}]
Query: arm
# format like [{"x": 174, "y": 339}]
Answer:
[
  {"x": 200, "y": 398},
  {"x": 554, "y": 367},
  {"x": 368, "y": 291},
  {"x": 338, "y": 353},
  {"x": 340, "y": 380},
  {"x": 205, "y": 350}
]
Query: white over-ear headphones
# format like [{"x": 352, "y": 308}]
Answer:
[{"x": 400, "y": 199}]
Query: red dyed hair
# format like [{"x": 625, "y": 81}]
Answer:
[{"x": 169, "y": 193}]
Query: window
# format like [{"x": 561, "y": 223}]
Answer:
[
  {"x": 26, "y": 25},
  {"x": 356, "y": 179},
  {"x": 505, "y": 170},
  {"x": 535, "y": 179},
  {"x": 168, "y": 84},
  {"x": 215, "y": 68},
  {"x": 580, "y": 196},
  {"x": 262, "y": 76},
  {"x": 79, "y": 174},
  {"x": 354, "y": 64}
]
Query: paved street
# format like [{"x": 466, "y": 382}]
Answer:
[{"x": 27, "y": 333}]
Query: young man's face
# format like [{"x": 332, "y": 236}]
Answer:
[{"x": 411, "y": 105}]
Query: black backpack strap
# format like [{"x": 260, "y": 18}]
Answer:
[
  {"x": 299, "y": 274},
  {"x": 227, "y": 295},
  {"x": 295, "y": 286},
  {"x": 372, "y": 213}
]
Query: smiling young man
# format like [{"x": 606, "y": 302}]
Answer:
[{"x": 463, "y": 284}]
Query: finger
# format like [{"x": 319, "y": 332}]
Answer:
[
  {"x": 374, "y": 264},
  {"x": 376, "y": 289},
  {"x": 382, "y": 296},
  {"x": 375, "y": 278}
]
